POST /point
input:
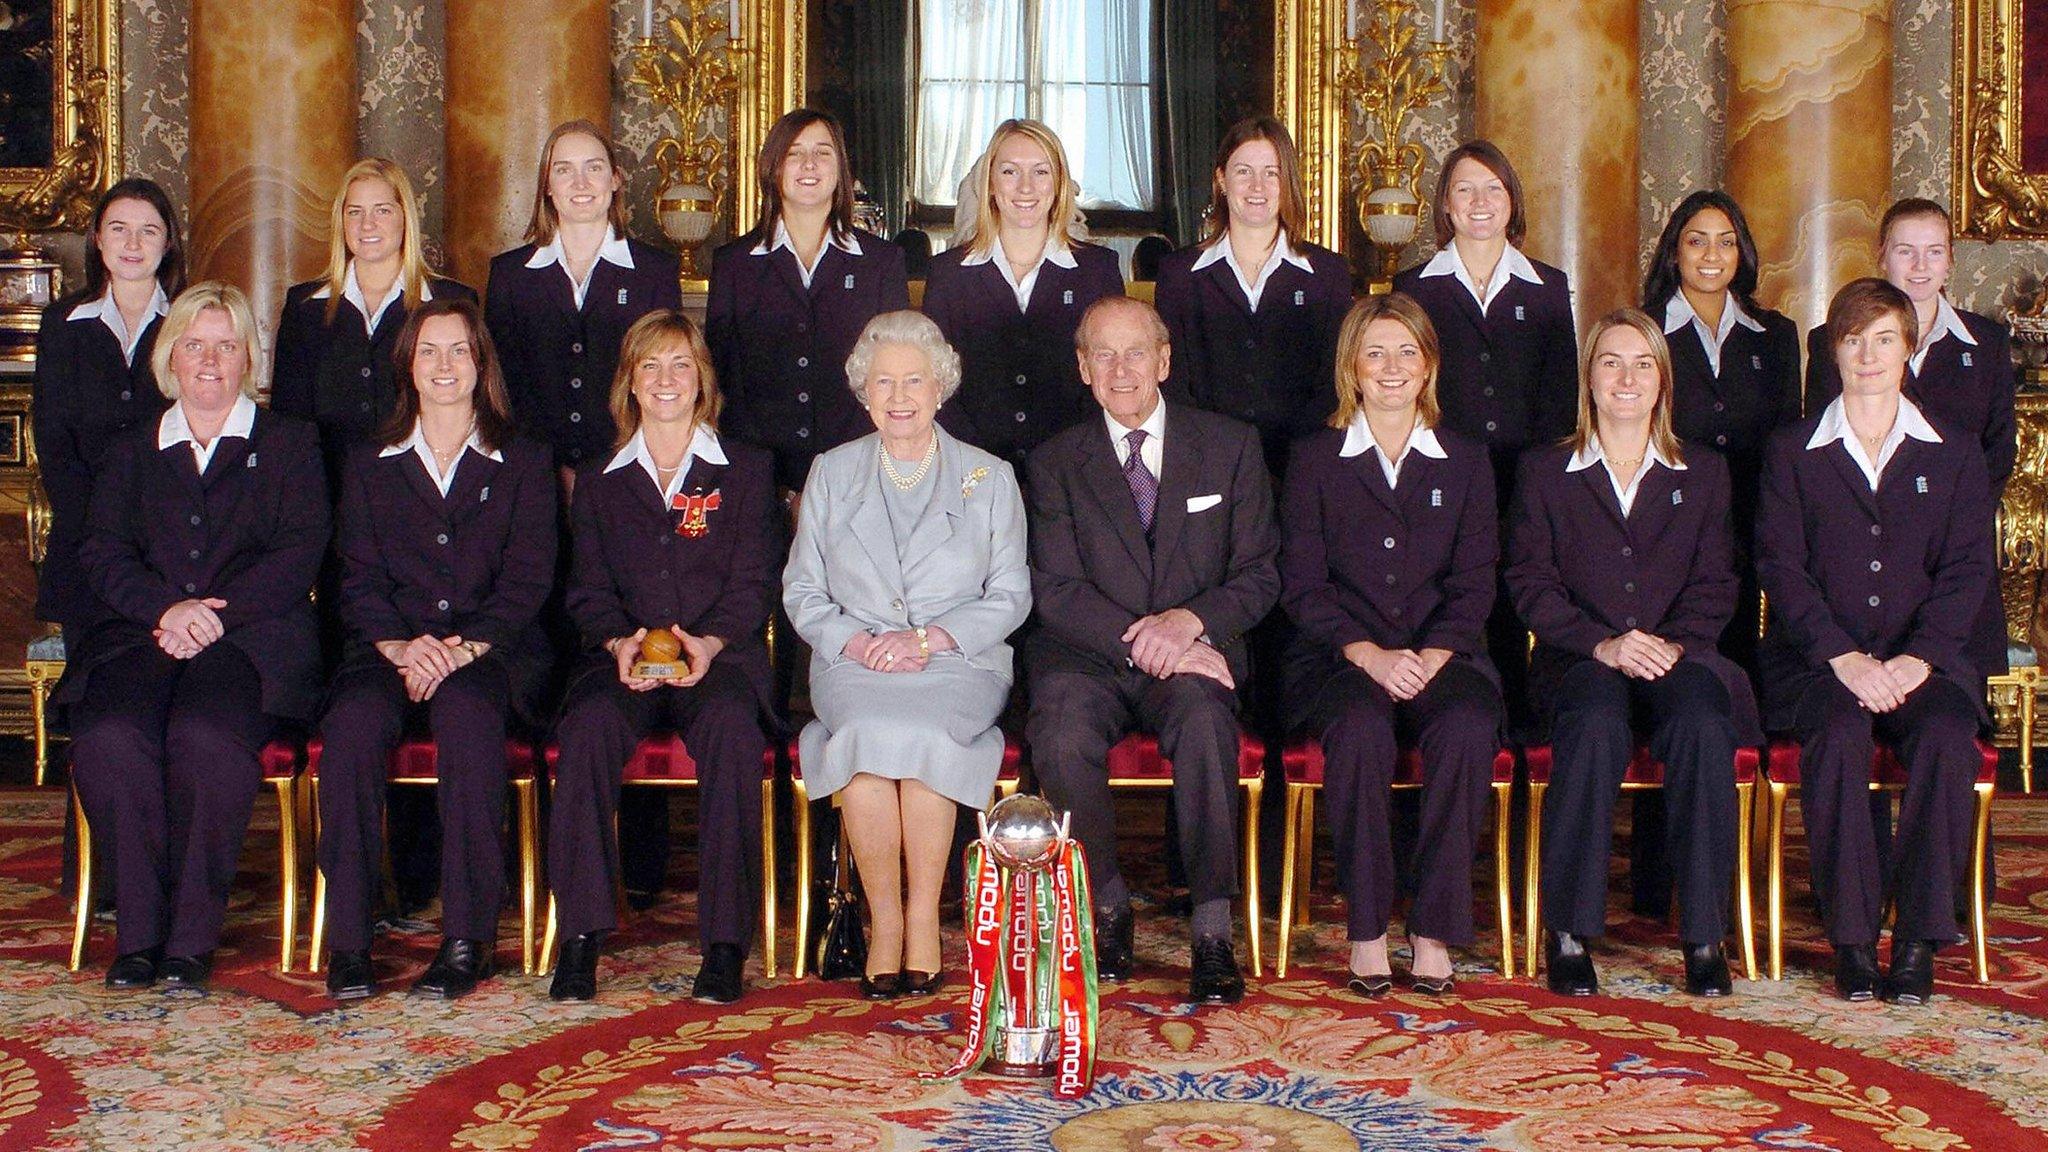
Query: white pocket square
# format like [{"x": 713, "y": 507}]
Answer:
[{"x": 1204, "y": 503}]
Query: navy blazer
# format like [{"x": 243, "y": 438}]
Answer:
[
  {"x": 558, "y": 360},
  {"x": 477, "y": 563},
  {"x": 85, "y": 395},
  {"x": 1969, "y": 389},
  {"x": 1901, "y": 570},
  {"x": 1408, "y": 567},
  {"x": 1510, "y": 375},
  {"x": 1212, "y": 549},
  {"x": 632, "y": 569},
  {"x": 1020, "y": 380},
  {"x": 1581, "y": 572},
  {"x": 1756, "y": 393},
  {"x": 1273, "y": 368},
  {"x": 781, "y": 348},
  {"x": 251, "y": 531},
  {"x": 335, "y": 373}
]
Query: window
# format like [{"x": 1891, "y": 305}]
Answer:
[{"x": 1083, "y": 66}]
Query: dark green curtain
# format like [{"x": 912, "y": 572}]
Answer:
[
  {"x": 1188, "y": 68},
  {"x": 880, "y": 125}
]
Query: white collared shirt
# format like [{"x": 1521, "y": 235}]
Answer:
[
  {"x": 1834, "y": 425},
  {"x": 1153, "y": 451},
  {"x": 1056, "y": 251},
  {"x": 109, "y": 313},
  {"x": 352, "y": 291},
  {"x": 1592, "y": 454},
  {"x": 1254, "y": 285},
  {"x": 173, "y": 428},
  {"x": 614, "y": 250},
  {"x": 1358, "y": 440},
  {"x": 1679, "y": 312},
  {"x": 849, "y": 244},
  {"x": 1512, "y": 263},
  {"x": 1946, "y": 323},
  {"x": 417, "y": 445},
  {"x": 703, "y": 446}
]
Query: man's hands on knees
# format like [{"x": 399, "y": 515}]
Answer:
[{"x": 1159, "y": 641}]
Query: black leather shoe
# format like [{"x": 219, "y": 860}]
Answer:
[
  {"x": 1213, "y": 978},
  {"x": 456, "y": 970},
  {"x": 576, "y": 969},
  {"x": 1114, "y": 951},
  {"x": 1434, "y": 985},
  {"x": 348, "y": 975},
  {"x": 1371, "y": 987},
  {"x": 881, "y": 986},
  {"x": 186, "y": 971},
  {"x": 718, "y": 979},
  {"x": 917, "y": 983},
  {"x": 1856, "y": 972},
  {"x": 1911, "y": 980},
  {"x": 134, "y": 969},
  {"x": 1567, "y": 967},
  {"x": 1706, "y": 970}
]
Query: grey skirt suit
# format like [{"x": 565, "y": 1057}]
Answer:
[{"x": 961, "y": 566}]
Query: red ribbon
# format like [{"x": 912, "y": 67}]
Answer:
[
  {"x": 984, "y": 948},
  {"x": 1077, "y": 992}
]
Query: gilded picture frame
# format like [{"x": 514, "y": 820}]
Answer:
[
  {"x": 59, "y": 110},
  {"x": 2000, "y": 149}
]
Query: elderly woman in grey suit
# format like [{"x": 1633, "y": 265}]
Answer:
[{"x": 906, "y": 578}]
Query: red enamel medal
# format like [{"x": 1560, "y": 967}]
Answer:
[{"x": 695, "y": 510}]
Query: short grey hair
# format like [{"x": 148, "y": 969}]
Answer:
[{"x": 914, "y": 329}]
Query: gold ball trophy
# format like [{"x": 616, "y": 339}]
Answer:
[{"x": 661, "y": 656}]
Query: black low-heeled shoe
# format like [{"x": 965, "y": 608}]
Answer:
[
  {"x": 457, "y": 969},
  {"x": 349, "y": 976},
  {"x": 1706, "y": 970},
  {"x": 881, "y": 986},
  {"x": 1856, "y": 975},
  {"x": 1433, "y": 985},
  {"x": 1371, "y": 986},
  {"x": 187, "y": 971},
  {"x": 719, "y": 980},
  {"x": 1911, "y": 980},
  {"x": 1568, "y": 969},
  {"x": 134, "y": 969},
  {"x": 917, "y": 983},
  {"x": 576, "y": 969}
]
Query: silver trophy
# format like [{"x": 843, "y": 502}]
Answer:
[{"x": 1023, "y": 835}]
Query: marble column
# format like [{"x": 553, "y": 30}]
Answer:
[
  {"x": 1557, "y": 89},
  {"x": 523, "y": 66},
  {"x": 273, "y": 128},
  {"x": 1809, "y": 141}
]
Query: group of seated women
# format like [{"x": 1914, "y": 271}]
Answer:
[{"x": 1454, "y": 478}]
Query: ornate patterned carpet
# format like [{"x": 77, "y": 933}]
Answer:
[{"x": 264, "y": 1063}]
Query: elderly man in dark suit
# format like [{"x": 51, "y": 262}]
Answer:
[{"x": 1153, "y": 550}]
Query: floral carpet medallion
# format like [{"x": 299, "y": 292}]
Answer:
[{"x": 266, "y": 1062}]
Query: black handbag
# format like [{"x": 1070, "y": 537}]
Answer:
[{"x": 843, "y": 946}]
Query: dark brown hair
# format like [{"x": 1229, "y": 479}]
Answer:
[
  {"x": 1864, "y": 302},
  {"x": 493, "y": 408},
  {"x": 170, "y": 271},
  {"x": 1496, "y": 162},
  {"x": 1293, "y": 209},
  {"x": 781, "y": 137},
  {"x": 657, "y": 331},
  {"x": 546, "y": 221}
]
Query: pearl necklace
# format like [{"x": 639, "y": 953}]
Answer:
[{"x": 906, "y": 483}]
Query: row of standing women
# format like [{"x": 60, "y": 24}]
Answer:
[{"x": 1253, "y": 314}]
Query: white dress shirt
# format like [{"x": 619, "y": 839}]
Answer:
[
  {"x": 109, "y": 313},
  {"x": 1592, "y": 454},
  {"x": 849, "y": 244},
  {"x": 703, "y": 446},
  {"x": 1153, "y": 452},
  {"x": 1512, "y": 263},
  {"x": 1254, "y": 284},
  {"x": 1946, "y": 323},
  {"x": 417, "y": 444},
  {"x": 1834, "y": 425},
  {"x": 172, "y": 428},
  {"x": 352, "y": 291},
  {"x": 1679, "y": 313},
  {"x": 614, "y": 250},
  {"x": 1358, "y": 440},
  {"x": 1056, "y": 251}
]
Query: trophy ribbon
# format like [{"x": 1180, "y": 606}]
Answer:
[
  {"x": 1077, "y": 981},
  {"x": 984, "y": 946}
]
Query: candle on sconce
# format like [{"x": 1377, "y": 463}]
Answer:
[
  {"x": 647, "y": 19},
  {"x": 732, "y": 20},
  {"x": 1436, "y": 32},
  {"x": 1351, "y": 19}
]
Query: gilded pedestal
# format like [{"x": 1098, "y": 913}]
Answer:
[{"x": 1558, "y": 88}]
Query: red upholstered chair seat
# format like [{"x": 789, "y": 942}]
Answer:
[
  {"x": 664, "y": 760},
  {"x": 417, "y": 759},
  {"x": 1136, "y": 758},
  {"x": 280, "y": 761},
  {"x": 1886, "y": 770},
  {"x": 1643, "y": 772}
]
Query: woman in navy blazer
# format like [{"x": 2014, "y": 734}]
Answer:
[
  {"x": 675, "y": 530},
  {"x": 1960, "y": 375},
  {"x": 334, "y": 364},
  {"x": 447, "y": 541},
  {"x": 1621, "y": 562},
  {"x": 559, "y": 304},
  {"x": 206, "y": 528},
  {"x": 92, "y": 374},
  {"x": 1253, "y": 309},
  {"x": 789, "y": 299},
  {"x": 1389, "y": 539},
  {"x": 1874, "y": 547},
  {"x": 1010, "y": 293}
]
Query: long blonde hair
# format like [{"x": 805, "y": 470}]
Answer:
[
  {"x": 1662, "y": 438},
  {"x": 983, "y": 224},
  {"x": 1402, "y": 309},
  {"x": 412, "y": 260}
]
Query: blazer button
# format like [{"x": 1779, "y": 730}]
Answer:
[
  {"x": 803, "y": 433},
  {"x": 1389, "y": 542},
  {"x": 1392, "y": 579},
  {"x": 194, "y": 554},
  {"x": 195, "y": 521},
  {"x": 127, "y": 395},
  {"x": 1627, "y": 551},
  {"x": 1492, "y": 427},
  {"x": 575, "y": 417},
  {"x": 1250, "y": 343},
  {"x": 366, "y": 373},
  {"x": 191, "y": 588},
  {"x": 1721, "y": 441},
  {"x": 1630, "y": 622},
  {"x": 1876, "y": 530},
  {"x": 1488, "y": 390},
  {"x": 363, "y": 407},
  {"x": 803, "y": 327},
  {"x": 575, "y": 381},
  {"x": 1875, "y": 601},
  {"x": 803, "y": 361},
  {"x": 1021, "y": 378},
  {"x": 575, "y": 453},
  {"x": 441, "y": 604},
  {"x": 441, "y": 539},
  {"x": 1020, "y": 417},
  {"x": 577, "y": 348},
  {"x": 1720, "y": 407},
  {"x": 803, "y": 397},
  {"x": 1629, "y": 587},
  {"x": 1877, "y": 565},
  {"x": 1486, "y": 357}
]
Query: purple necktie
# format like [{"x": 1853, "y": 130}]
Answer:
[{"x": 1144, "y": 485}]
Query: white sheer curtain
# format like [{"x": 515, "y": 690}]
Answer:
[{"x": 1085, "y": 69}]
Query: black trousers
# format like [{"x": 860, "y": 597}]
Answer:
[
  {"x": 366, "y": 716},
  {"x": 1455, "y": 722},
  {"x": 168, "y": 759},
  {"x": 602, "y": 722},
  {"x": 1687, "y": 715},
  {"x": 1076, "y": 717},
  {"x": 1934, "y": 734}
]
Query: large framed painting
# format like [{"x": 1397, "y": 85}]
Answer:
[
  {"x": 59, "y": 110},
  {"x": 2001, "y": 118}
]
